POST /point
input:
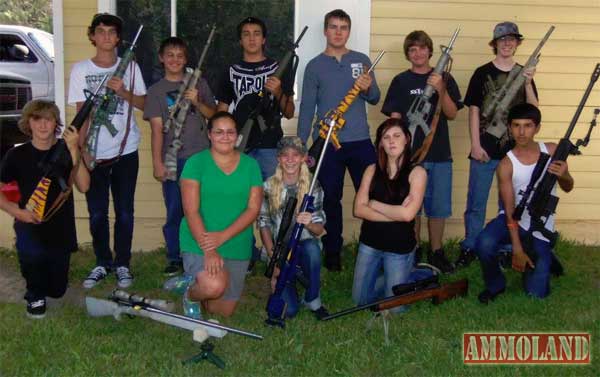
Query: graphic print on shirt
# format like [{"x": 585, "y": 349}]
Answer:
[
  {"x": 172, "y": 99},
  {"x": 249, "y": 83},
  {"x": 92, "y": 81},
  {"x": 357, "y": 69}
]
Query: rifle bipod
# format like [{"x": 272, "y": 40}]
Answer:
[
  {"x": 385, "y": 316},
  {"x": 206, "y": 353}
]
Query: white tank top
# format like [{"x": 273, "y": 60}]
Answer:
[{"x": 520, "y": 179}]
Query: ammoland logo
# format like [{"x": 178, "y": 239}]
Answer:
[{"x": 526, "y": 348}]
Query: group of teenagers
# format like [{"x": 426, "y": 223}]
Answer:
[{"x": 220, "y": 192}]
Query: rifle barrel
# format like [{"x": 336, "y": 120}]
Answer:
[
  {"x": 203, "y": 323},
  {"x": 451, "y": 43},
  {"x": 208, "y": 42},
  {"x": 137, "y": 35},
  {"x": 297, "y": 43},
  {"x": 377, "y": 59},
  {"x": 588, "y": 90}
]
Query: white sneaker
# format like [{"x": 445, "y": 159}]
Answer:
[
  {"x": 97, "y": 274},
  {"x": 124, "y": 277}
]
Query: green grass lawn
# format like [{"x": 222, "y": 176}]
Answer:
[{"x": 427, "y": 340}]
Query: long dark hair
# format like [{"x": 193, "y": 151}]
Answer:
[{"x": 398, "y": 184}]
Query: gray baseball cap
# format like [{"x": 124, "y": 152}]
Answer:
[
  {"x": 506, "y": 28},
  {"x": 291, "y": 142}
]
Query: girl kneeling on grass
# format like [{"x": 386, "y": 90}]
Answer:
[
  {"x": 45, "y": 235},
  {"x": 390, "y": 195},
  {"x": 292, "y": 179}
]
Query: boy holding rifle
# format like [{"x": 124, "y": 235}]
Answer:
[
  {"x": 116, "y": 156},
  {"x": 327, "y": 79},
  {"x": 45, "y": 232},
  {"x": 244, "y": 84},
  {"x": 405, "y": 87},
  {"x": 162, "y": 96},
  {"x": 486, "y": 149},
  {"x": 514, "y": 174}
]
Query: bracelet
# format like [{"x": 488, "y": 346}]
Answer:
[{"x": 512, "y": 225}]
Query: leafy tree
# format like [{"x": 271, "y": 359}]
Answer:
[
  {"x": 194, "y": 20},
  {"x": 32, "y": 13}
]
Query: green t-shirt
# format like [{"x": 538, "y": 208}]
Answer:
[{"x": 223, "y": 198}]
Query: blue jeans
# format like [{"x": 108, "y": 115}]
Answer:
[
  {"x": 536, "y": 282},
  {"x": 356, "y": 156},
  {"x": 120, "y": 178},
  {"x": 309, "y": 265},
  {"x": 174, "y": 209},
  {"x": 267, "y": 160},
  {"x": 438, "y": 193},
  {"x": 481, "y": 175},
  {"x": 370, "y": 284}
]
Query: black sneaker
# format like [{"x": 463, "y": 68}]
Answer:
[
  {"x": 438, "y": 259},
  {"x": 486, "y": 296},
  {"x": 36, "y": 309},
  {"x": 173, "y": 268},
  {"x": 320, "y": 313},
  {"x": 95, "y": 276},
  {"x": 465, "y": 258}
]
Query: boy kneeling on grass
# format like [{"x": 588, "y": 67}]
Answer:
[
  {"x": 514, "y": 173},
  {"x": 46, "y": 234}
]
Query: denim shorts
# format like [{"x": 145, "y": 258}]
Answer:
[
  {"x": 194, "y": 263},
  {"x": 438, "y": 194}
]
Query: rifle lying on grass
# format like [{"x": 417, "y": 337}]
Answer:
[
  {"x": 405, "y": 294},
  {"x": 290, "y": 59},
  {"x": 122, "y": 302}
]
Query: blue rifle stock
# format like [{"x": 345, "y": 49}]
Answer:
[{"x": 276, "y": 306}]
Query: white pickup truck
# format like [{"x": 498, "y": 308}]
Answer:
[{"x": 26, "y": 72}]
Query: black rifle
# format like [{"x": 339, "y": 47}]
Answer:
[
  {"x": 265, "y": 101},
  {"x": 51, "y": 165},
  {"x": 539, "y": 168},
  {"x": 411, "y": 293},
  {"x": 543, "y": 204},
  {"x": 281, "y": 243}
]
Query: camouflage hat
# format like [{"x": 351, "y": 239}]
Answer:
[
  {"x": 506, "y": 28},
  {"x": 291, "y": 142}
]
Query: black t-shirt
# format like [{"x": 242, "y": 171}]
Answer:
[
  {"x": 407, "y": 86},
  {"x": 486, "y": 80},
  {"x": 241, "y": 85},
  {"x": 21, "y": 164},
  {"x": 393, "y": 236}
]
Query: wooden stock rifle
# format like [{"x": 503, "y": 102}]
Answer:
[
  {"x": 410, "y": 293},
  {"x": 337, "y": 117},
  {"x": 179, "y": 111}
]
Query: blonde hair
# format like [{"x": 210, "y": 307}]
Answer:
[
  {"x": 276, "y": 184},
  {"x": 39, "y": 109}
]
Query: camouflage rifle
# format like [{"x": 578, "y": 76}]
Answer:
[
  {"x": 495, "y": 112},
  {"x": 337, "y": 116},
  {"x": 107, "y": 106},
  {"x": 179, "y": 111}
]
